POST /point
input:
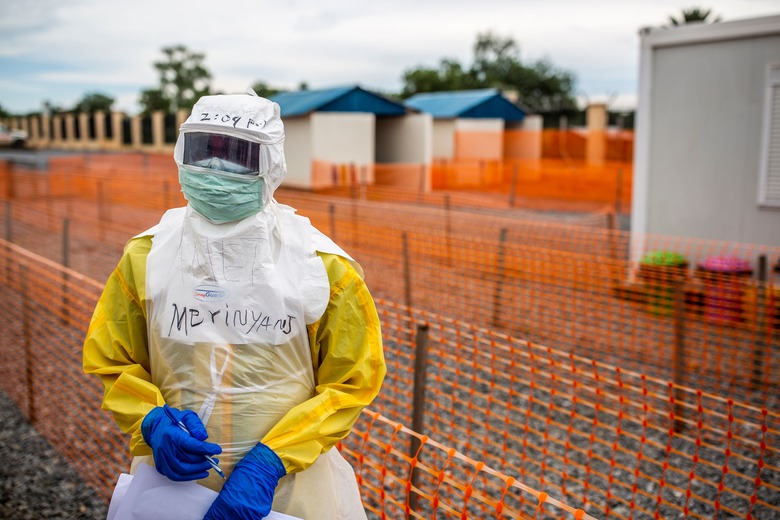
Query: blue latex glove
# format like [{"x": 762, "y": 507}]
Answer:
[
  {"x": 249, "y": 490},
  {"x": 178, "y": 455}
]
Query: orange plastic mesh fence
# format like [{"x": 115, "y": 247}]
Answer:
[
  {"x": 40, "y": 367},
  {"x": 678, "y": 414},
  {"x": 403, "y": 474},
  {"x": 608, "y": 145},
  {"x": 40, "y": 370},
  {"x": 623, "y": 444},
  {"x": 574, "y": 287},
  {"x": 531, "y": 179}
]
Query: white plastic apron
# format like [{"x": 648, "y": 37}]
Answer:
[{"x": 227, "y": 309}]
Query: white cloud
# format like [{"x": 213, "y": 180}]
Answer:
[{"x": 112, "y": 44}]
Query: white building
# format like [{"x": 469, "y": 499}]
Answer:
[
  {"x": 707, "y": 152},
  {"x": 338, "y": 136}
]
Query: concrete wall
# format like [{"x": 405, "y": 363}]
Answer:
[
  {"x": 699, "y": 132},
  {"x": 405, "y": 139},
  {"x": 345, "y": 138},
  {"x": 404, "y": 151},
  {"x": 530, "y": 146},
  {"x": 489, "y": 146},
  {"x": 40, "y": 135},
  {"x": 444, "y": 139},
  {"x": 297, "y": 152},
  {"x": 596, "y": 146}
]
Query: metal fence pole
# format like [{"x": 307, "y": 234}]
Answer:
[
  {"x": 619, "y": 192},
  {"x": 513, "y": 188},
  {"x": 407, "y": 271},
  {"x": 65, "y": 263},
  {"x": 10, "y": 192},
  {"x": 332, "y": 213},
  {"x": 28, "y": 359},
  {"x": 761, "y": 326},
  {"x": 66, "y": 242},
  {"x": 611, "y": 239},
  {"x": 679, "y": 352},
  {"x": 448, "y": 228},
  {"x": 499, "y": 277},
  {"x": 9, "y": 216},
  {"x": 355, "y": 223},
  {"x": 9, "y": 221},
  {"x": 418, "y": 401},
  {"x": 101, "y": 210},
  {"x": 421, "y": 187},
  {"x": 166, "y": 194}
]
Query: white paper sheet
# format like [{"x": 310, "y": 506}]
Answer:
[
  {"x": 148, "y": 495},
  {"x": 119, "y": 494}
]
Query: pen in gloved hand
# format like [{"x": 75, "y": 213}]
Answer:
[{"x": 181, "y": 425}]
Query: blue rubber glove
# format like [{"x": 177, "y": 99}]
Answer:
[
  {"x": 178, "y": 455},
  {"x": 249, "y": 490}
]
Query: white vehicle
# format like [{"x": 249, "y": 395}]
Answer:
[{"x": 12, "y": 137}]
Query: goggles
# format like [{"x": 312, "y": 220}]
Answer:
[{"x": 223, "y": 152}]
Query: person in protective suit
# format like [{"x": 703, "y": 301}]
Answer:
[{"x": 236, "y": 319}]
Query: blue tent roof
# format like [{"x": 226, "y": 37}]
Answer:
[
  {"x": 467, "y": 104},
  {"x": 340, "y": 99}
]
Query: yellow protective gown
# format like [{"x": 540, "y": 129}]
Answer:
[{"x": 343, "y": 344}]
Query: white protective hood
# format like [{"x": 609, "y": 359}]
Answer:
[{"x": 246, "y": 116}]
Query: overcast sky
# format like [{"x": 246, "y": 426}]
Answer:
[{"x": 60, "y": 50}]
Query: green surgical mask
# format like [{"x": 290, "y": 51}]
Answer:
[{"x": 221, "y": 197}]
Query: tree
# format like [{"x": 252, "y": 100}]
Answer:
[
  {"x": 51, "y": 108},
  {"x": 4, "y": 113},
  {"x": 262, "y": 89},
  {"x": 153, "y": 99},
  {"x": 693, "y": 15},
  {"x": 540, "y": 86},
  {"x": 449, "y": 76},
  {"x": 93, "y": 102},
  {"x": 183, "y": 80}
]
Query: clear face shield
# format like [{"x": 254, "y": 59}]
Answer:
[{"x": 224, "y": 153}]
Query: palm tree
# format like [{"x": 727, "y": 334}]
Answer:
[{"x": 693, "y": 15}]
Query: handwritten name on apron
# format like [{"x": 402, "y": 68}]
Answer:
[{"x": 245, "y": 321}]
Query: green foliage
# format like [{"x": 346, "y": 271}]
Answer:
[
  {"x": 52, "y": 108},
  {"x": 540, "y": 86},
  {"x": 4, "y": 113},
  {"x": 449, "y": 76},
  {"x": 93, "y": 102},
  {"x": 263, "y": 90},
  {"x": 693, "y": 15},
  {"x": 183, "y": 80},
  {"x": 153, "y": 99}
]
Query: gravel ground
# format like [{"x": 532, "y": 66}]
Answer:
[{"x": 35, "y": 482}]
